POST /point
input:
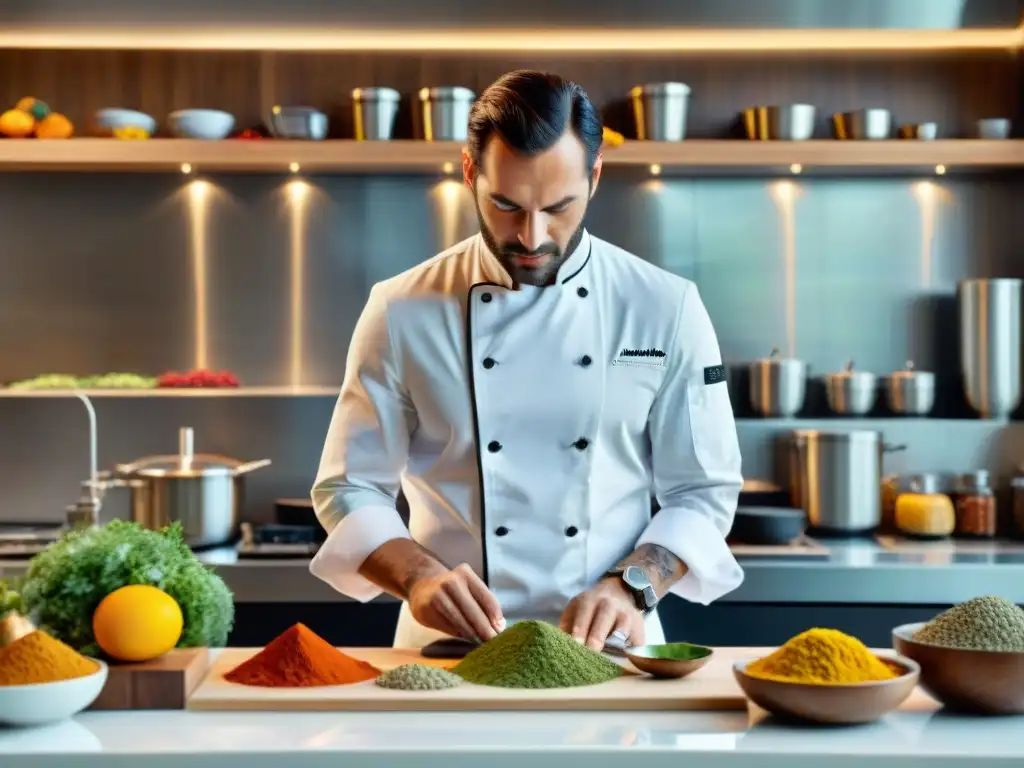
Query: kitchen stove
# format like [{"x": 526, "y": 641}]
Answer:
[
  {"x": 279, "y": 541},
  {"x": 22, "y": 541}
]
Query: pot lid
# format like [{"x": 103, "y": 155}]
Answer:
[
  {"x": 197, "y": 465},
  {"x": 185, "y": 463},
  {"x": 849, "y": 373},
  {"x": 909, "y": 372},
  {"x": 776, "y": 358}
]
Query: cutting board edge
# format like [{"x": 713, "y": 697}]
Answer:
[{"x": 722, "y": 704}]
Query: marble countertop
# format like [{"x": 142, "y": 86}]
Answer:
[{"x": 507, "y": 740}]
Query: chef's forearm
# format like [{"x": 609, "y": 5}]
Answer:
[
  {"x": 662, "y": 567},
  {"x": 396, "y": 565}
]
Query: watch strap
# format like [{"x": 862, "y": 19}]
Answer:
[{"x": 646, "y": 600}]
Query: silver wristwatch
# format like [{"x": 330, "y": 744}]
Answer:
[{"x": 639, "y": 585}]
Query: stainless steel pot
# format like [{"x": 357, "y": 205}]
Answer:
[
  {"x": 910, "y": 391},
  {"x": 784, "y": 122},
  {"x": 374, "y": 113},
  {"x": 203, "y": 492},
  {"x": 778, "y": 385},
  {"x": 850, "y": 392},
  {"x": 297, "y": 123},
  {"x": 990, "y": 320},
  {"x": 659, "y": 110},
  {"x": 862, "y": 124},
  {"x": 444, "y": 113},
  {"x": 837, "y": 478}
]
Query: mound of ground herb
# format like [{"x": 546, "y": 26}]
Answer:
[
  {"x": 534, "y": 654},
  {"x": 418, "y": 677},
  {"x": 981, "y": 624}
]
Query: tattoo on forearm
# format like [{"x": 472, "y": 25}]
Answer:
[{"x": 662, "y": 567}]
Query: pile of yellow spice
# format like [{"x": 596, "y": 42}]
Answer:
[
  {"x": 39, "y": 658},
  {"x": 822, "y": 657}
]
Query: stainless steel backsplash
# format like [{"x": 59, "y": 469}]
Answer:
[{"x": 267, "y": 275}]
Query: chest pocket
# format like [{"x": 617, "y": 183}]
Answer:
[{"x": 630, "y": 390}]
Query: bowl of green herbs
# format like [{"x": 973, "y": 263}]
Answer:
[{"x": 669, "y": 660}]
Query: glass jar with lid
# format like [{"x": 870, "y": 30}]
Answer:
[{"x": 975, "y": 506}]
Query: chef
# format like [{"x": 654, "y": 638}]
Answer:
[{"x": 529, "y": 390}]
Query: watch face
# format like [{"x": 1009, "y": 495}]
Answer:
[{"x": 636, "y": 578}]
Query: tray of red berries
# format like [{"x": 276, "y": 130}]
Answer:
[{"x": 197, "y": 379}]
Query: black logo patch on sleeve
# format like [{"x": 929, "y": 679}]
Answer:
[{"x": 714, "y": 374}]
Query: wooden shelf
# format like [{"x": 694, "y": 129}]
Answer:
[
  {"x": 692, "y": 157},
  {"x": 175, "y": 392}
]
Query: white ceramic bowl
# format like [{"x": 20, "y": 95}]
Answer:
[
  {"x": 200, "y": 123},
  {"x": 45, "y": 703},
  {"x": 106, "y": 120}
]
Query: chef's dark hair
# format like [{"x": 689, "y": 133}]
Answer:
[{"x": 530, "y": 111}]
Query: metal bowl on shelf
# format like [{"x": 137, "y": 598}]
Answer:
[
  {"x": 910, "y": 392},
  {"x": 778, "y": 385},
  {"x": 297, "y": 123},
  {"x": 862, "y": 124},
  {"x": 659, "y": 110},
  {"x": 919, "y": 131},
  {"x": 850, "y": 392},
  {"x": 783, "y": 122}
]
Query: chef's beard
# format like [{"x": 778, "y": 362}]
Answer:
[{"x": 525, "y": 275}]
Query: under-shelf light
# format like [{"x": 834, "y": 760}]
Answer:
[
  {"x": 655, "y": 169},
  {"x": 333, "y": 37},
  {"x": 940, "y": 170},
  {"x": 186, "y": 168},
  {"x": 448, "y": 168},
  {"x": 796, "y": 168},
  {"x": 293, "y": 167}
]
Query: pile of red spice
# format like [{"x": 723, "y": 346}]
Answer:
[
  {"x": 198, "y": 378},
  {"x": 300, "y": 658}
]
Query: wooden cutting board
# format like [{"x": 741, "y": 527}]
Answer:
[
  {"x": 163, "y": 683},
  {"x": 710, "y": 688}
]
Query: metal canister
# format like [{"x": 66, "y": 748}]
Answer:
[
  {"x": 990, "y": 318},
  {"x": 778, "y": 385},
  {"x": 659, "y": 110},
  {"x": 374, "y": 111},
  {"x": 444, "y": 113}
]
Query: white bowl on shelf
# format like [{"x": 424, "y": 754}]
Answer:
[
  {"x": 43, "y": 703},
  {"x": 209, "y": 124},
  {"x": 105, "y": 121}
]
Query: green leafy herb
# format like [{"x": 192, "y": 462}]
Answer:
[
  {"x": 66, "y": 582},
  {"x": 9, "y": 600}
]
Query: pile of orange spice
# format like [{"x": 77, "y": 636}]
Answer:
[
  {"x": 300, "y": 658},
  {"x": 39, "y": 658}
]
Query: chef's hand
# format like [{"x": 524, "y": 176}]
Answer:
[
  {"x": 458, "y": 603},
  {"x": 593, "y": 616}
]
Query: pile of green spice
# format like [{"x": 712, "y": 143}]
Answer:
[
  {"x": 981, "y": 624},
  {"x": 418, "y": 677},
  {"x": 534, "y": 654}
]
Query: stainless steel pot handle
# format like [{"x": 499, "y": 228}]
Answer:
[{"x": 250, "y": 466}]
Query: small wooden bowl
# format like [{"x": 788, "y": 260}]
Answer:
[
  {"x": 983, "y": 682},
  {"x": 845, "y": 704},
  {"x": 669, "y": 659}
]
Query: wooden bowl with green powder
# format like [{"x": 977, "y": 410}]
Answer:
[
  {"x": 669, "y": 660},
  {"x": 971, "y": 656}
]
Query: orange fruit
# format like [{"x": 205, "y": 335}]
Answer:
[
  {"x": 54, "y": 126},
  {"x": 137, "y": 623},
  {"x": 17, "y": 124}
]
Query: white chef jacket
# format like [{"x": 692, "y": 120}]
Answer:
[{"x": 528, "y": 428}]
